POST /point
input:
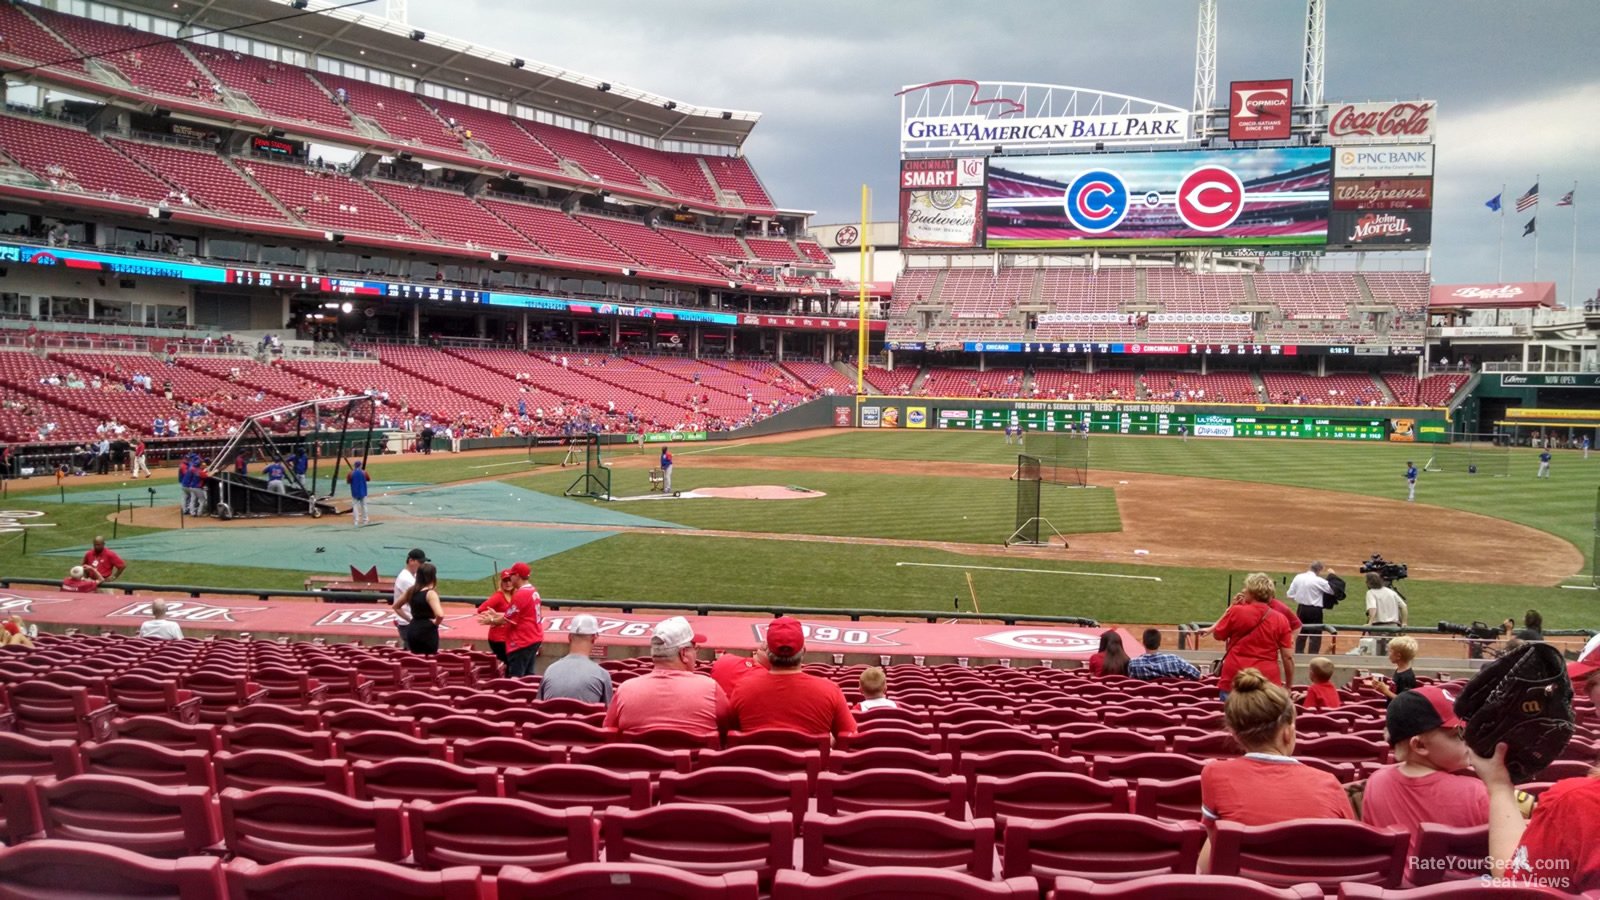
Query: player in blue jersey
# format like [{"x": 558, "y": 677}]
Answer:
[{"x": 1411, "y": 480}]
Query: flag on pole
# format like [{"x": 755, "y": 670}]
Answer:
[
  {"x": 1493, "y": 203},
  {"x": 1530, "y": 199},
  {"x": 1566, "y": 199},
  {"x": 1529, "y": 228}
]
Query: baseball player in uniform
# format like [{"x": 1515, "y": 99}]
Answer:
[
  {"x": 1544, "y": 464},
  {"x": 666, "y": 470},
  {"x": 1411, "y": 480}
]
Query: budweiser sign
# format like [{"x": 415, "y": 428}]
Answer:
[
  {"x": 1389, "y": 123},
  {"x": 1378, "y": 225}
]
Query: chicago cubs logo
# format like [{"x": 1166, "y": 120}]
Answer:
[
  {"x": 1210, "y": 198},
  {"x": 1097, "y": 201}
]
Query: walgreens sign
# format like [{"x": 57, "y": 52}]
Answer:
[{"x": 1400, "y": 122}]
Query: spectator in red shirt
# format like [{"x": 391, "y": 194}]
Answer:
[
  {"x": 523, "y": 618},
  {"x": 1321, "y": 694},
  {"x": 1257, "y": 636},
  {"x": 14, "y": 633},
  {"x": 81, "y": 580},
  {"x": 1267, "y": 784},
  {"x": 1559, "y": 846},
  {"x": 731, "y": 668},
  {"x": 106, "y": 563},
  {"x": 787, "y": 697},
  {"x": 673, "y": 695},
  {"x": 497, "y": 603}
]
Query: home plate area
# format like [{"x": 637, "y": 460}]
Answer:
[{"x": 742, "y": 492}]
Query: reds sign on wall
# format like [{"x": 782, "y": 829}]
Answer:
[
  {"x": 1383, "y": 193},
  {"x": 1400, "y": 122},
  {"x": 1259, "y": 110}
]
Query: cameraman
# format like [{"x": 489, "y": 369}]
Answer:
[
  {"x": 1532, "y": 626},
  {"x": 1310, "y": 590},
  {"x": 1385, "y": 606}
]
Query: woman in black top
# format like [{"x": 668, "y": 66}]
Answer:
[{"x": 423, "y": 601}]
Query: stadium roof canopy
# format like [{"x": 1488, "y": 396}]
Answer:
[
  {"x": 361, "y": 34},
  {"x": 1512, "y": 295}
]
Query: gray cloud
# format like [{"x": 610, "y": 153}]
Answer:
[{"x": 1515, "y": 84}]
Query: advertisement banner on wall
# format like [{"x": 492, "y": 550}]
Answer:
[
  {"x": 1387, "y": 122},
  {"x": 891, "y": 417},
  {"x": 842, "y": 417},
  {"x": 1383, "y": 193},
  {"x": 871, "y": 416},
  {"x": 1263, "y": 197},
  {"x": 1364, "y": 228},
  {"x": 1403, "y": 431},
  {"x": 916, "y": 417},
  {"x": 1259, "y": 110},
  {"x": 1383, "y": 162},
  {"x": 946, "y": 217}
]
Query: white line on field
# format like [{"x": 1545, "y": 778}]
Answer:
[
  {"x": 498, "y": 465},
  {"x": 1038, "y": 571},
  {"x": 712, "y": 449}
]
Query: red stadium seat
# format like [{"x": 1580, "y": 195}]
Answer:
[
  {"x": 1102, "y": 847},
  {"x": 748, "y": 790},
  {"x": 288, "y": 686},
  {"x": 23, "y": 755},
  {"x": 1177, "y": 799},
  {"x": 895, "y": 882},
  {"x": 1008, "y": 763},
  {"x": 706, "y": 840},
  {"x": 566, "y": 706},
  {"x": 915, "y": 717},
  {"x": 466, "y": 728},
  {"x": 623, "y": 881},
  {"x": 251, "y": 770},
  {"x": 342, "y": 683},
  {"x": 1445, "y": 853},
  {"x": 134, "y": 815},
  {"x": 150, "y": 763},
  {"x": 1179, "y": 887},
  {"x": 633, "y": 758},
  {"x": 422, "y": 779},
  {"x": 378, "y": 746},
  {"x": 365, "y": 720},
  {"x": 673, "y": 739},
  {"x": 506, "y": 753},
  {"x": 782, "y": 737},
  {"x": 901, "y": 790},
  {"x": 1109, "y": 742},
  {"x": 844, "y": 762},
  {"x": 19, "y": 810},
  {"x": 218, "y": 692},
  {"x": 1453, "y": 890},
  {"x": 561, "y": 786},
  {"x": 62, "y": 869},
  {"x": 168, "y": 733},
  {"x": 52, "y": 712},
  {"x": 1337, "y": 748},
  {"x": 497, "y": 832},
  {"x": 1047, "y": 795},
  {"x": 920, "y": 741},
  {"x": 1220, "y": 745},
  {"x": 1147, "y": 765},
  {"x": 921, "y": 840},
  {"x": 281, "y": 823},
  {"x": 274, "y": 714},
  {"x": 566, "y": 733},
  {"x": 1325, "y": 851},
  {"x": 318, "y": 879},
  {"x": 777, "y": 760},
  {"x": 266, "y": 736},
  {"x": 995, "y": 740},
  {"x": 141, "y": 695}
]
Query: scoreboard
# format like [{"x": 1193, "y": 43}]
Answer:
[{"x": 1200, "y": 425}]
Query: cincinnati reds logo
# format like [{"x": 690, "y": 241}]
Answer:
[
  {"x": 1210, "y": 198},
  {"x": 847, "y": 236},
  {"x": 1097, "y": 201},
  {"x": 1054, "y": 642}
]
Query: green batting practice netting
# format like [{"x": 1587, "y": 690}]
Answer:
[
  {"x": 560, "y": 451},
  {"x": 1472, "y": 454},
  {"x": 595, "y": 482},
  {"x": 1063, "y": 457}
]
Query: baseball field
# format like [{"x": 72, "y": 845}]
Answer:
[{"x": 897, "y": 520}]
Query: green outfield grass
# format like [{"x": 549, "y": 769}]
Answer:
[{"x": 695, "y": 569}]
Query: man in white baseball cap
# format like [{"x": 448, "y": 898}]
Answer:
[
  {"x": 577, "y": 675},
  {"x": 673, "y": 695}
]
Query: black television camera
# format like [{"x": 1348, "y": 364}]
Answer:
[
  {"x": 1388, "y": 571},
  {"x": 1477, "y": 631}
]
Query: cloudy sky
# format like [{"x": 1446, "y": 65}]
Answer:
[{"x": 1518, "y": 92}]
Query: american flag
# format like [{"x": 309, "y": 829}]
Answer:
[
  {"x": 1530, "y": 199},
  {"x": 1566, "y": 199}
]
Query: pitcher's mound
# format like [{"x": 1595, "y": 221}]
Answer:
[{"x": 757, "y": 492}]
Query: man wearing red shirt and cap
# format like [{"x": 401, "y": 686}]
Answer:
[
  {"x": 105, "y": 562},
  {"x": 786, "y": 697},
  {"x": 673, "y": 695},
  {"x": 1559, "y": 846},
  {"x": 525, "y": 619}
]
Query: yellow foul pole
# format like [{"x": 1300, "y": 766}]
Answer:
[{"x": 861, "y": 298}]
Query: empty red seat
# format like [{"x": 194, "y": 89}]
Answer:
[
  {"x": 903, "y": 790},
  {"x": 633, "y": 758},
  {"x": 673, "y": 739},
  {"x": 898, "y": 881},
  {"x": 218, "y": 691},
  {"x": 318, "y": 879},
  {"x": 273, "y": 714},
  {"x": 266, "y": 736},
  {"x": 768, "y": 759},
  {"x": 1100, "y": 846},
  {"x": 1325, "y": 851},
  {"x": 19, "y": 810},
  {"x": 1009, "y": 763},
  {"x": 1048, "y": 795},
  {"x": 250, "y": 770},
  {"x": 623, "y": 881},
  {"x": 1338, "y": 748},
  {"x": 422, "y": 779},
  {"x": 707, "y": 840},
  {"x": 23, "y": 755},
  {"x": 1219, "y": 745},
  {"x": 735, "y": 787},
  {"x": 496, "y": 832},
  {"x": 1179, "y": 887},
  {"x": 847, "y": 761},
  {"x": 507, "y": 753},
  {"x": 168, "y": 733},
  {"x": 150, "y": 763},
  {"x": 782, "y": 737},
  {"x": 140, "y": 695},
  {"x": 1177, "y": 799},
  {"x": 134, "y": 815},
  {"x": 923, "y": 742},
  {"x": 994, "y": 740},
  {"x": 1453, "y": 890},
  {"x": 1446, "y": 853},
  {"x": 63, "y": 869},
  {"x": 341, "y": 682},
  {"x": 561, "y": 786},
  {"x": 566, "y": 732},
  {"x": 53, "y": 712},
  {"x": 288, "y": 685},
  {"x": 1147, "y": 765},
  {"x": 922, "y": 840},
  {"x": 280, "y": 823},
  {"x": 1109, "y": 742},
  {"x": 378, "y": 746},
  {"x": 463, "y": 728}
]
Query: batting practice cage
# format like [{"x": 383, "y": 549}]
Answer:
[
  {"x": 1472, "y": 454},
  {"x": 558, "y": 450},
  {"x": 1032, "y": 527},
  {"x": 577, "y": 450},
  {"x": 331, "y": 433},
  {"x": 1063, "y": 456}
]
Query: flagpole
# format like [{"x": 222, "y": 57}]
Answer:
[
  {"x": 1572, "y": 274},
  {"x": 1536, "y": 180},
  {"x": 1500, "y": 267}
]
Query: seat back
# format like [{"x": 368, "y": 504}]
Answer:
[
  {"x": 141, "y": 694},
  {"x": 562, "y": 786},
  {"x": 366, "y": 720},
  {"x": 899, "y": 881},
  {"x": 623, "y": 881},
  {"x": 315, "y": 879},
  {"x": 267, "y": 736},
  {"x": 881, "y": 838},
  {"x": 281, "y": 823},
  {"x": 1008, "y": 763},
  {"x": 1177, "y": 799},
  {"x": 25, "y": 756},
  {"x": 506, "y": 753},
  {"x": 54, "y": 712},
  {"x": 846, "y": 761},
  {"x": 1147, "y": 765},
  {"x": 633, "y": 758},
  {"x": 496, "y": 832},
  {"x": 708, "y": 840},
  {"x": 1048, "y": 795},
  {"x": 461, "y": 728},
  {"x": 422, "y": 779},
  {"x": 52, "y": 868},
  {"x": 1324, "y": 851},
  {"x": 778, "y": 760},
  {"x": 252, "y": 770},
  {"x": 378, "y": 746},
  {"x": 168, "y": 733},
  {"x": 736, "y": 787},
  {"x": 1180, "y": 887},
  {"x": 19, "y": 809},
  {"x": 1446, "y": 853},
  {"x": 905, "y": 790},
  {"x": 150, "y": 763},
  {"x": 1100, "y": 846},
  {"x": 151, "y": 819}
]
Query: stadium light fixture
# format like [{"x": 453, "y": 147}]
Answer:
[
  {"x": 627, "y": 273},
  {"x": 999, "y": 150},
  {"x": 726, "y": 115},
  {"x": 518, "y": 63},
  {"x": 670, "y": 104},
  {"x": 346, "y": 307},
  {"x": 418, "y": 34},
  {"x": 301, "y": 4},
  {"x": 603, "y": 86}
]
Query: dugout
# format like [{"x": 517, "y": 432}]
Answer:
[{"x": 1526, "y": 427}]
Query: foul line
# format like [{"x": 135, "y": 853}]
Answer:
[
  {"x": 498, "y": 465},
  {"x": 1037, "y": 571}
]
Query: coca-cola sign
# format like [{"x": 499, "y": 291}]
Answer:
[
  {"x": 1380, "y": 228},
  {"x": 1400, "y": 122},
  {"x": 1383, "y": 193}
]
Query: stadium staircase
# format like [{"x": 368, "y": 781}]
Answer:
[
  {"x": 255, "y": 186},
  {"x": 1389, "y": 398},
  {"x": 1257, "y": 382}
]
